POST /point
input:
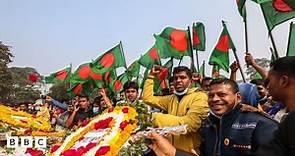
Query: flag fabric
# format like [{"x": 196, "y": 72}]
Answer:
[
  {"x": 291, "y": 44},
  {"x": 133, "y": 69},
  {"x": 284, "y": 5},
  {"x": 220, "y": 55},
  {"x": 117, "y": 85},
  {"x": 202, "y": 70},
  {"x": 261, "y": 1},
  {"x": 242, "y": 8},
  {"x": 160, "y": 81},
  {"x": 199, "y": 37},
  {"x": 84, "y": 88},
  {"x": 273, "y": 17},
  {"x": 173, "y": 43},
  {"x": 112, "y": 59},
  {"x": 60, "y": 76},
  {"x": 109, "y": 77},
  {"x": 215, "y": 71},
  {"x": 146, "y": 73},
  {"x": 150, "y": 58},
  {"x": 257, "y": 76}
]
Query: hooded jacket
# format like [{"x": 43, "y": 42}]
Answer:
[{"x": 190, "y": 110}]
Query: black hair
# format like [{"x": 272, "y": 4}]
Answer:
[
  {"x": 84, "y": 96},
  {"x": 206, "y": 79},
  {"x": 130, "y": 84},
  {"x": 181, "y": 69},
  {"x": 258, "y": 82},
  {"x": 226, "y": 81},
  {"x": 284, "y": 66}
]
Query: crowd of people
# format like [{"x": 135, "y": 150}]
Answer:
[{"x": 223, "y": 117}]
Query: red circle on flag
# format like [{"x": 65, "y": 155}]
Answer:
[
  {"x": 61, "y": 75},
  {"x": 222, "y": 44},
  {"x": 154, "y": 54},
  {"x": 178, "y": 40},
  {"x": 107, "y": 60},
  {"x": 96, "y": 76},
  {"x": 78, "y": 89},
  {"x": 196, "y": 39},
  {"x": 107, "y": 77},
  {"x": 84, "y": 72},
  {"x": 117, "y": 85}
]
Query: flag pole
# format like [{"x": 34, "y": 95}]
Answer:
[
  {"x": 246, "y": 36},
  {"x": 191, "y": 51},
  {"x": 123, "y": 54},
  {"x": 239, "y": 65},
  {"x": 289, "y": 40},
  {"x": 180, "y": 60},
  {"x": 270, "y": 35}
]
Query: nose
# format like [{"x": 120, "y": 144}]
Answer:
[{"x": 214, "y": 98}]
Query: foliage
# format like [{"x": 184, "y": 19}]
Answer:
[{"x": 59, "y": 91}]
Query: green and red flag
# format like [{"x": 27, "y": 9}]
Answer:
[
  {"x": 242, "y": 8},
  {"x": 273, "y": 17},
  {"x": 215, "y": 71},
  {"x": 261, "y": 1},
  {"x": 109, "y": 77},
  {"x": 60, "y": 76},
  {"x": 284, "y": 5},
  {"x": 112, "y": 59},
  {"x": 133, "y": 69},
  {"x": 146, "y": 73},
  {"x": 199, "y": 38},
  {"x": 150, "y": 58},
  {"x": 84, "y": 88},
  {"x": 117, "y": 85},
  {"x": 291, "y": 42},
  {"x": 220, "y": 55},
  {"x": 173, "y": 43},
  {"x": 257, "y": 76},
  {"x": 202, "y": 70}
]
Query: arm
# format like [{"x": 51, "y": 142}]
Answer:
[
  {"x": 56, "y": 103},
  {"x": 70, "y": 120},
  {"x": 233, "y": 68},
  {"x": 198, "y": 110},
  {"x": 160, "y": 145},
  {"x": 250, "y": 61}
]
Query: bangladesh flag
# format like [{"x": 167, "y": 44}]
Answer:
[
  {"x": 215, "y": 71},
  {"x": 291, "y": 42},
  {"x": 146, "y": 73},
  {"x": 160, "y": 81},
  {"x": 59, "y": 77},
  {"x": 84, "y": 88},
  {"x": 133, "y": 69},
  {"x": 261, "y": 1},
  {"x": 173, "y": 43},
  {"x": 257, "y": 76},
  {"x": 150, "y": 58},
  {"x": 202, "y": 70},
  {"x": 109, "y": 77},
  {"x": 242, "y": 8},
  {"x": 199, "y": 38},
  {"x": 111, "y": 59},
  {"x": 117, "y": 85},
  {"x": 220, "y": 55},
  {"x": 284, "y": 5},
  {"x": 273, "y": 17}
]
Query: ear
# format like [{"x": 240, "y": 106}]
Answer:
[
  {"x": 239, "y": 97},
  {"x": 284, "y": 81}
]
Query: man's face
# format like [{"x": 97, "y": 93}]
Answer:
[
  {"x": 262, "y": 91},
  {"x": 181, "y": 81},
  {"x": 131, "y": 94},
  {"x": 274, "y": 87},
  {"x": 222, "y": 99},
  {"x": 206, "y": 84},
  {"x": 83, "y": 102}
]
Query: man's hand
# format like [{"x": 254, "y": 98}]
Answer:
[
  {"x": 234, "y": 66},
  {"x": 196, "y": 77},
  {"x": 249, "y": 59},
  {"x": 156, "y": 69},
  {"x": 48, "y": 98},
  {"x": 161, "y": 146}
]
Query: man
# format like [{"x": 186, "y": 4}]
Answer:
[
  {"x": 185, "y": 106},
  {"x": 282, "y": 86},
  {"x": 81, "y": 112},
  {"x": 233, "y": 128},
  {"x": 131, "y": 91}
]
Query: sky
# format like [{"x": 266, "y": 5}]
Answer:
[{"x": 51, "y": 35}]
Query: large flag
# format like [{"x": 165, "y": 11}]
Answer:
[
  {"x": 84, "y": 88},
  {"x": 199, "y": 38},
  {"x": 133, "y": 69},
  {"x": 60, "y": 76},
  {"x": 117, "y": 85},
  {"x": 242, "y": 8},
  {"x": 173, "y": 43},
  {"x": 261, "y": 1},
  {"x": 220, "y": 55},
  {"x": 273, "y": 17},
  {"x": 284, "y": 5},
  {"x": 150, "y": 58},
  {"x": 110, "y": 60},
  {"x": 291, "y": 42}
]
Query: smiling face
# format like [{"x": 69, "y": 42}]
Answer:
[{"x": 222, "y": 98}]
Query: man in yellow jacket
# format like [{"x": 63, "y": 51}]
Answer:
[{"x": 186, "y": 106}]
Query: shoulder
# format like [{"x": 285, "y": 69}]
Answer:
[{"x": 198, "y": 92}]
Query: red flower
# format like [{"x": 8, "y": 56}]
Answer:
[
  {"x": 110, "y": 109},
  {"x": 125, "y": 110},
  {"x": 103, "y": 124},
  {"x": 69, "y": 152},
  {"x": 84, "y": 123},
  {"x": 123, "y": 124},
  {"x": 80, "y": 150},
  {"x": 54, "y": 148},
  {"x": 102, "y": 150},
  {"x": 89, "y": 146},
  {"x": 34, "y": 152}
]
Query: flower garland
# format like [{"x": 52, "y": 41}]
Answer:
[
  {"x": 102, "y": 135},
  {"x": 17, "y": 118}
]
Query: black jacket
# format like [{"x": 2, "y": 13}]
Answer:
[{"x": 236, "y": 133}]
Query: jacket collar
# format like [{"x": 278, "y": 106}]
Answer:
[{"x": 231, "y": 115}]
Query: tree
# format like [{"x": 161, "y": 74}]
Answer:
[
  {"x": 263, "y": 62},
  {"x": 6, "y": 84},
  {"x": 59, "y": 91}
]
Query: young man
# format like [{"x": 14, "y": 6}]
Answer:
[
  {"x": 186, "y": 106},
  {"x": 81, "y": 112},
  {"x": 282, "y": 88}
]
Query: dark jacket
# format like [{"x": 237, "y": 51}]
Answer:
[
  {"x": 283, "y": 143},
  {"x": 237, "y": 133}
]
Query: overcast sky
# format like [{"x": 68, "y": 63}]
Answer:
[{"x": 49, "y": 35}]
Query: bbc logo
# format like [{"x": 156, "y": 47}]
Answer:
[{"x": 26, "y": 142}]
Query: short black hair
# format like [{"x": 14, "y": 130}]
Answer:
[
  {"x": 130, "y": 84},
  {"x": 284, "y": 66},
  {"x": 226, "y": 81},
  {"x": 84, "y": 96},
  {"x": 258, "y": 82},
  {"x": 181, "y": 69},
  {"x": 207, "y": 78}
]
